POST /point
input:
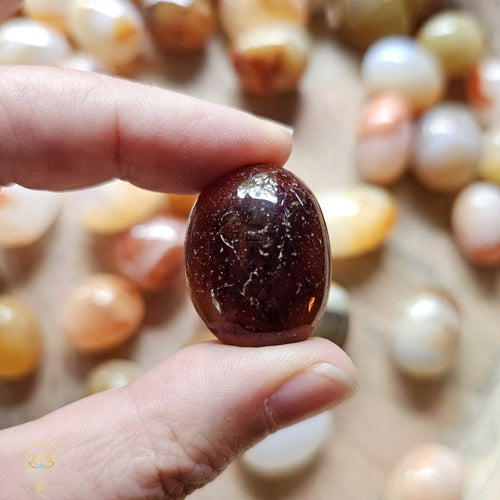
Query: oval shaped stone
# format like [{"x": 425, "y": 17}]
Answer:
[{"x": 258, "y": 257}]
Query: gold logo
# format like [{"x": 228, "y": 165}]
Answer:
[
  {"x": 40, "y": 486},
  {"x": 42, "y": 462}
]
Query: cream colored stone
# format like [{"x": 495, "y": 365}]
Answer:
[{"x": 112, "y": 374}]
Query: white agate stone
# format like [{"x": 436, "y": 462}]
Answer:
[
  {"x": 476, "y": 222},
  {"x": 53, "y": 12},
  {"x": 399, "y": 64},
  {"x": 111, "y": 30},
  {"x": 25, "y": 41},
  {"x": 26, "y": 215},
  {"x": 425, "y": 335},
  {"x": 427, "y": 472},
  {"x": 447, "y": 147},
  {"x": 290, "y": 450},
  {"x": 82, "y": 62}
]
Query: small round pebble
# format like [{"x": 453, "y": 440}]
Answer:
[
  {"x": 425, "y": 335},
  {"x": 359, "y": 218},
  {"x": 426, "y": 472},
  {"x": 26, "y": 215},
  {"x": 112, "y": 374},
  {"x": 53, "y": 12},
  {"x": 447, "y": 147},
  {"x": 258, "y": 257},
  {"x": 111, "y": 30},
  {"x": 399, "y": 64},
  {"x": 483, "y": 91},
  {"x": 115, "y": 206},
  {"x": 180, "y": 24},
  {"x": 476, "y": 223},
  {"x": 489, "y": 164},
  {"x": 21, "y": 343},
  {"x": 335, "y": 323},
  {"x": 290, "y": 450},
  {"x": 384, "y": 139},
  {"x": 26, "y": 41},
  {"x": 456, "y": 38},
  {"x": 103, "y": 312},
  {"x": 82, "y": 62},
  {"x": 152, "y": 253}
]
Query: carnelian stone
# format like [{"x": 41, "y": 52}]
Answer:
[{"x": 258, "y": 257}]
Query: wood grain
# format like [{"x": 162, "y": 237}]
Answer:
[{"x": 390, "y": 413}]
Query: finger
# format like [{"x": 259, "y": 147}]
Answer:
[
  {"x": 8, "y": 7},
  {"x": 178, "y": 426},
  {"x": 63, "y": 129}
]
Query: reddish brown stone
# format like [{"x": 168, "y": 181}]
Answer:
[{"x": 258, "y": 257}]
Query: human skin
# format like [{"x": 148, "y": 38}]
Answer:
[{"x": 180, "y": 424}]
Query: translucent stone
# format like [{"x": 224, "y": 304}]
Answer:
[
  {"x": 290, "y": 450},
  {"x": 103, "y": 312},
  {"x": 203, "y": 336},
  {"x": 425, "y": 335},
  {"x": 25, "y": 41},
  {"x": 401, "y": 65},
  {"x": 384, "y": 139},
  {"x": 111, "y": 30},
  {"x": 21, "y": 343},
  {"x": 26, "y": 215},
  {"x": 484, "y": 91},
  {"x": 447, "y": 147},
  {"x": 82, "y": 62},
  {"x": 181, "y": 204},
  {"x": 152, "y": 253},
  {"x": 489, "y": 164},
  {"x": 359, "y": 218},
  {"x": 53, "y": 12},
  {"x": 335, "y": 323},
  {"x": 112, "y": 374},
  {"x": 455, "y": 37},
  {"x": 116, "y": 206},
  {"x": 427, "y": 471},
  {"x": 476, "y": 222},
  {"x": 258, "y": 257},
  {"x": 362, "y": 22},
  {"x": 270, "y": 42},
  {"x": 180, "y": 24}
]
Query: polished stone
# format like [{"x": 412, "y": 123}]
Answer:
[{"x": 112, "y": 374}]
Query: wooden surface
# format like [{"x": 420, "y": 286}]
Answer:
[{"x": 390, "y": 413}]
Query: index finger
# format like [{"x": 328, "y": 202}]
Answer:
[
  {"x": 63, "y": 129},
  {"x": 8, "y": 7}
]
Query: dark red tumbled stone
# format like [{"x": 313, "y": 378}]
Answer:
[{"x": 258, "y": 257}]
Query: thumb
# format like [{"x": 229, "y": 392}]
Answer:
[{"x": 179, "y": 425}]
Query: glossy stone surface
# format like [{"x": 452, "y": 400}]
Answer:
[
  {"x": 455, "y": 38},
  {"x": 384, "y": 139},
  {"x": 53, "y": 12},
  {"x": 112, "y": 374},
  {"x": 362, "y": 22},
  {"x": 335, "y": 323},
  {"x": 359, "y": 218},
  {"x": 82, "y": 62},
  {"x": 21, "y": 343},
  {"x": 102, "y": 312},
  {"x": 489, "y": 164},
  {"x": 26, "y": 215},
  {"x": 151, "y": 253},
  {"x": 180, "y": 24},
  {"x": 26, "y": 41},
  {"x": 426, "y": 472},
  {"x": 115, "y": 206},
  {"x": 258, "y": 257},
  {"x": 269, "y": 43},
  {"x": 290, "y": 450},
  {"x": 476, "y": 222},
  {"x": 181, "y": 204},
  {"x": 425, "y": 335},
  {"x": 483, "y": 91},
  {"x": 447, "y": 147},
  {"x": 111, "y": 30},
  {"x": 401, "y": 65}
]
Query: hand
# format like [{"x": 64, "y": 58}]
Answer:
[{"x": 179, "y": 425}]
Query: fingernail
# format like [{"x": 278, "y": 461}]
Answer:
[
  {"x": 310, "y": 392},
  {"x": 275, "y": 124}
]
